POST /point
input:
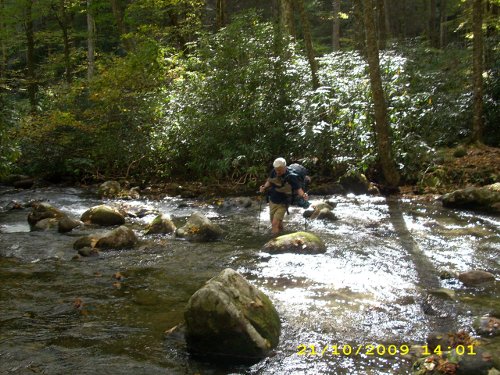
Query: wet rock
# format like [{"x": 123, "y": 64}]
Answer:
[
  {"x": 199, "y": 229},
  {"x": 43, "y": 210},
  {"x": 119, "y": 238},
  {"x": 87, "y": 241},
  {"x": 486, "y": 198},
  {"x": 298, "y": 242},
  {"x": 103, "y": 215},
  {"x": 323, "y": 211},
  {"x": 45, "y": 224},
  {"x": 475, "y": 277},
  {"x": 109, "y": 189},
  {"x": 162, "y": 224},
  {"x": 235, "y": 203},
  {"x": 67, "y": 224},
  {"x": 229, "y": 318},
  {"x": 14, "y": 205},
  {"x": 88, "y": 251},
  {"x": 487, "y": 326}
]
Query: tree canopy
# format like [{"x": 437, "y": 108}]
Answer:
[{"x": 194, "y": 89}]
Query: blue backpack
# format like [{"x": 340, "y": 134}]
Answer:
[{"x": 301, "y": 173}]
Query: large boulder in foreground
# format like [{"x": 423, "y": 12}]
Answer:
[
  {"x": 199, "y": 228},
  {"x": 298, "y": 242},
  {"x": 103, "y": 215},
  {"x": 486, "y": 198},
  {"x": 230, "y": 319}
]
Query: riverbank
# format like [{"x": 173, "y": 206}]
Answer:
[{"x": 451, "y": 169}]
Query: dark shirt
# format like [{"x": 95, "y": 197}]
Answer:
[{"x": 278, "y": 182}]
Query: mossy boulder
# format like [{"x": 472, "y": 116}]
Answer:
[
  {"x": 162, "y": 224},
  {"x": 298, "y": 242},
  {"x": 199, "y": 228},
  {"x": 109, "y": 189},
  {"x": 485, "y": 198},
  {"x": 103, "y": 215},
  {"x": 354, "y": 182},
  {"x": 230, "y": 319},
  {"x": 119, "y": 238}
]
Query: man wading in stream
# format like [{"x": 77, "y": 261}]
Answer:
[{"x": 281, "y": 186}]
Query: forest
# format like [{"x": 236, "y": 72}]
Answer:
[{"x": 214, "y": 90}]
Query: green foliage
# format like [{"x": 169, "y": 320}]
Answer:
[
  {"x": 98, "y": 128},
  {"x": 9, "y": 150},
  {"x": 230, "y": 110}
]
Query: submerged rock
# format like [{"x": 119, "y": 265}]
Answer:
[
  {"x": 103, "y": 215},
  {"x": 230, "y": 319},
  {"x": 486, "y": 198},
  {"x": 298, "y": 242},
  {"x": 199, "y": 229}
]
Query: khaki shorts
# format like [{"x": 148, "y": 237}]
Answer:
[{"x": 277, "y": 211}]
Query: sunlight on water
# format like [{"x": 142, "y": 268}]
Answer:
[{"x": 65, "y": 315}]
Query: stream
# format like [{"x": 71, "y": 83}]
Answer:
[{"x": 380, "y": 282}]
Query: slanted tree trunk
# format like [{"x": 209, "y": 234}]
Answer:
[
  {"x": 382, "y": 129},
  {"x": 30, "y": 54},
  {"x": 306, "y": 29},
  {"x": 90, "y": 41},
  {"x": 221, "y": 14},
  {"x": 336, "y": 25},
  {"x": 477, "y": 53},
  {"x": 286, "y": 17}
]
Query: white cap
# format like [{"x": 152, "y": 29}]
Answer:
[{"x": 280, "y": 162}]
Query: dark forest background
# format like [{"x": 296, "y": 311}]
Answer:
[{"x": 157, "y": 90}]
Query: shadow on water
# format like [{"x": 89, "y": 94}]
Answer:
[{"x": 441, "y": 313}]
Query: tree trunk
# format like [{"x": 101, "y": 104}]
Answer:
[
  {"x": 432, "y": 24},
  {"x": 491, "y": 42},
  {"x": 3, "y": 61},
  {"x": 336, "y": 25},
  {"x": 387, "y": 18},
  {"x": 308, "y": 43},
  {"x": 443, "y": 16},
  {"x": 382, "y": 130},
  {"x": 122, "y": 29},
  {"x": 477, "y": 53},
  {"x": 286, "y": 16},
  {"x": 221, "y": 16},
  {"x": 63, "y": 21},
  {"x": 382, "y": 26},
  {"x": 30, "y": 55},
  {"x": 90, "y": 41}
]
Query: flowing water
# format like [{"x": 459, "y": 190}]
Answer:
[{"x": 377, "y": 284}]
